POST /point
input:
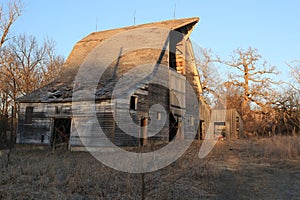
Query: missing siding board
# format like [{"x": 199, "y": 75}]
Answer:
[{"x": 28, "y": 115}]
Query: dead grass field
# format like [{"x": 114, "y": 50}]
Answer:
[{"x": 267, "y": 168}]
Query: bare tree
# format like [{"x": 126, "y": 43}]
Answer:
[
  {"x": 211, "y": 81},
  {"x": 233, "y": 97},
  {"x": 25, "y": 67},
  {"x": 287, "y": 108},
  {"x": 9, "y": 13},
  {"x": 53, "y": 63},
  {"x": 8, "y": 16},
  {"x": 253, "y": 77},
  {"x": 288, "y": 104},
  {"x": 295, "y": 72}
]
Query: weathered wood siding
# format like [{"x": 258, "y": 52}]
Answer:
[
  {"x": 135, "y": 115},
  {"x": 159, "y": 94},
  {"x": 45, "y": 113},
  {"x": 232, "y": 119},
  {"x": 192, "y": 114},
  {"x": 204, "y": 114},
  {"x": 40, "y": 130},
  {"x": 168, "y": 88},
  {"x": 89, "y": 133}
]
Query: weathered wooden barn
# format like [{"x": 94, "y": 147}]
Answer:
[
  {"x": 46, "y": 116},
  {"x": 228, "y": 123}
]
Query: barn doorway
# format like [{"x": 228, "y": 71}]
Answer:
[
  {"x": 173, "y": 124},
  {"x": 220, "y": 129},
  {"x": 61, "y": 132}
]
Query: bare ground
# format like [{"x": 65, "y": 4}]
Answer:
[{"x": 243, "y": 169}]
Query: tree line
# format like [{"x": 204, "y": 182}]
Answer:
[
  {"x": 267, "y": 105},
  {"x": 25, "y": 65}
]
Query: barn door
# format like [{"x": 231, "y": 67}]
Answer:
[
  {"x": 173, "y": 127},
  {"x": 61, "y": 131}
]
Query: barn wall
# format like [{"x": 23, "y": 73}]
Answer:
[
  {"x": 159, "y": 95},
  {"x": 205, "y": 117},
  {"x": 234, "y": 122},
  {"x": 192, "y": 116},
  {"x": 147, "y": 96},
  {"x": 89, "y": 133},
  {"x": 133, "y": 115},
  {"x": 40, "y": 130},
  {"x": 45, "y": 113},
  {"x": 239, "y": 125},
  {"x": 154, "y": 94}
]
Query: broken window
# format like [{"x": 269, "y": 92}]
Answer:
[
  {"x": 133, "y": 102},
  {"x": 28, "y": 115}
]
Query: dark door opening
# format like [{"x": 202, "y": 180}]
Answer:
[
  {"x": 200, "y": 134},
  {"x": 61, "y": 131},
  {"x": 220, "y": 129},
  {"x": 173, "y": 127}
]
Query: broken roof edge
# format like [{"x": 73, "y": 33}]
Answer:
[{"x": 67, "y": 100}]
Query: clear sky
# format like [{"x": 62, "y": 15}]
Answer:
[{"x": 273, "y": 27}]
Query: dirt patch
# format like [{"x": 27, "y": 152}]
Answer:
[{"x": 241, "y": 169}]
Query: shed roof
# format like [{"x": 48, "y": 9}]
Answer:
[{"x": 62, "y": 87}]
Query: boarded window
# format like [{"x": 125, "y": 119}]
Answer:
[
  {"x": 133, "y": 102},
  {"x": 28, "y": 115}
]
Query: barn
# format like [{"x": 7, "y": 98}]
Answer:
[
  {"x": 228, "y": 123},
  {"x": 159, "y": 94}
]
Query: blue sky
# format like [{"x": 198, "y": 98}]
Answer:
[{"x": 273, "y": 27}]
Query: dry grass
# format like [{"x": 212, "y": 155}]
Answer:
[
  {"x": 277, "y": 147},
  {"x": 233, "y": 170},
  {"x": 62, "y": 175}
]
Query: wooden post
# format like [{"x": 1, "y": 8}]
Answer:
[
  {"x": 144, "y": 124},
  {"x": 12, "y": 131}
]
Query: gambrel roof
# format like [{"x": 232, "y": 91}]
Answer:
[{"x": 62, "y": 87}]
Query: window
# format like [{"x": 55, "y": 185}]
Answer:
[
  {"x": 133, "y": 102},
  {"x": 158, "y": 116},
  {"x": 28, "y": 115}
]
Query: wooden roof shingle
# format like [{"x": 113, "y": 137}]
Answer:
[{"x": 62, "y": 87}]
